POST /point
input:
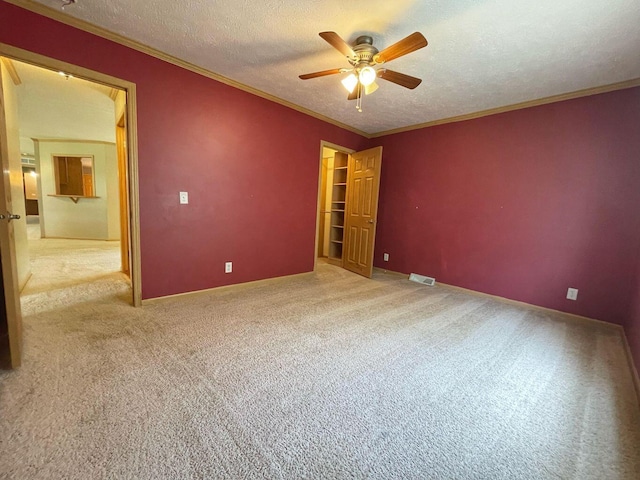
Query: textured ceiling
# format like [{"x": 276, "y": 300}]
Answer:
[{"x": 482, "y": 54}]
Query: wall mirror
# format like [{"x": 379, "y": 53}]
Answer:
[{"x": 74, "y": 175}]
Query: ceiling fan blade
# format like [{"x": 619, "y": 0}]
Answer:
[
  {"x": 333, "y": 39},
  {"x": 323, "y": 73},
  {"x": 409, "y": 44},
  {"x": 406, "y": 81}
]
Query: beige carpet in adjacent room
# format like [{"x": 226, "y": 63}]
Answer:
[{"x": 328, "y": 375}]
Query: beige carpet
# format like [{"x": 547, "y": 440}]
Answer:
[
  {"x": 65, "y": 271},
  {"x": 328, "y": 375}
]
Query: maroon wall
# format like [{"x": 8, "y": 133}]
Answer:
[
  {"x": 250, "y": 165},
  {"x": 522, "y": 204}
]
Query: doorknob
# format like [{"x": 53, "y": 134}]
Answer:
[
  {"x": 370, "y": 220},
  {"x": 11, "y": 216}
]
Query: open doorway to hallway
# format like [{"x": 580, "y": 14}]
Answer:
[
  {"x": 74, "y": 171},
  {"x": 348, "y": 187},
  {"x": 61, "y": 163}
]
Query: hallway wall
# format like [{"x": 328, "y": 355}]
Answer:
[{"x": 89, "y": 218}]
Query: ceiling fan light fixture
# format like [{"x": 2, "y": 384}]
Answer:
[
  {"x": 350, "y": 82},
  {"x": 361, "y": 78},
  {"x": 367, "y": 76},
  {"x": 369, "y": 89}
]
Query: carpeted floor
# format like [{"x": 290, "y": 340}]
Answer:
[{"x": 328, "y": 375}]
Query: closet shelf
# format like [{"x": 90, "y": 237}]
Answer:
[{"x": 337, "y": 194}]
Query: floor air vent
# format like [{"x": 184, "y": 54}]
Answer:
[{"x": 414, "y": 277}]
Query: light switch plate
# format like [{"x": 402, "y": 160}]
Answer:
[{"x": 184, "y": 198}]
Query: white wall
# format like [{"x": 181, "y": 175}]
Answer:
[
  {"x": 15, "y": 168},
  {"x": 90, "y": 218},
  {"x": 26, "y": 146}
]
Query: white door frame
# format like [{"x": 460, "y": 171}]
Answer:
[{"x": 132, "y": 144}]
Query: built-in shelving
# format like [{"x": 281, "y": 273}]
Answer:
[{"x": 338, "y": 203}]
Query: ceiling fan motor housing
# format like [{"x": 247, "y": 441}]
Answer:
[{"x": 365, "y": 51}]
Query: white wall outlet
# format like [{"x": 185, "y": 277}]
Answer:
[
  {"x": 572, "y": 294},
  {"x": 228, "y": 267},
  {"x": 184, "y": 198},
  {"x": 386, "y": 257}
]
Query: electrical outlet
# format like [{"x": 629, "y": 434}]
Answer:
[
  {"x": 386, "y": 257},
  {"x": 228, "y": 267},
  {"x": 572, "y": 294},
  {"x": 184, "y": 198}
]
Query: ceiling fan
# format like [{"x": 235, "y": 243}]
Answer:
[{"x": 363, "y": 57}]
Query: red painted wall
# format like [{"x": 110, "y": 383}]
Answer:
[
  {"x": 250, "y": 165},
  {"x": 522, "y": 204}
]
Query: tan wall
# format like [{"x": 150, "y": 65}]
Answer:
[{"x": 91, "y": 218}]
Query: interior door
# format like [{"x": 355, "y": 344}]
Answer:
[
  {"x": 363, "y": 185},
  {"x": 10, "y": 314}
]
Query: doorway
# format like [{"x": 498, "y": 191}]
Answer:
[
  {"x": 67, "y": 127},
  {"x": 348, "y": 185},
  {"x": 10, "y": 318},
  {"x": 332, "y": 193}
]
